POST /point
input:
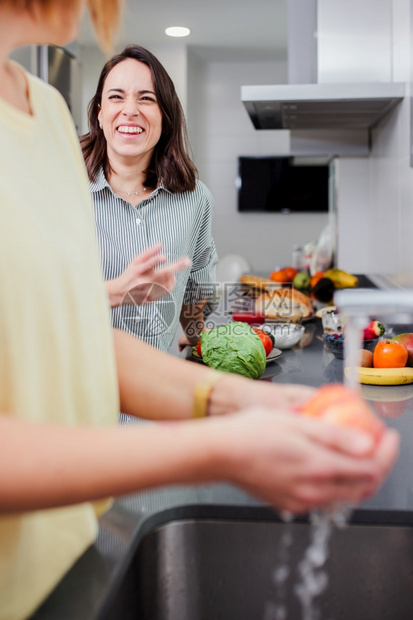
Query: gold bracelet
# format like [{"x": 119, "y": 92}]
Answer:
[{"x": 202, "y": 393}]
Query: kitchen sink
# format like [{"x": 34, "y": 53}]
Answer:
[{"x": 217, "y": 563}]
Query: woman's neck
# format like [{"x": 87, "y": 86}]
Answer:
[
  {"x": 128, "y": 182},
  {"x": 127, "y": 178},
  {"x": 15, "y": 31},
  {"x": 14, "y": 87}
]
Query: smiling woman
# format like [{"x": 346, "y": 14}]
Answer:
[{"x": 145, "y": 191}]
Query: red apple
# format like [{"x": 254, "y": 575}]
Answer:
[
  {"x": 407, "y": 340},
  {"x": 337, "y": 404}
]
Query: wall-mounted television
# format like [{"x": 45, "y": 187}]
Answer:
[{"x": 283, "y": 184}]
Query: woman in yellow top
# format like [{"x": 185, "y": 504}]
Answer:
[{"x": 64, "y": 373}]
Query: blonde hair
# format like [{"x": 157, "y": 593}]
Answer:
[{"x": 105, "y": 15}]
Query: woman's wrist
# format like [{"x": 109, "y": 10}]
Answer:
[
  {"x": 225, "y": 395},
  {"x": 203, "y": 392},
  {"x": 115, "y": 296}
]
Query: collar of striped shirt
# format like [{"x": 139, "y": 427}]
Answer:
[{"x": 100, "y": 183}]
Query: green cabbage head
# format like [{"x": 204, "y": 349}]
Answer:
[{"x": 236, "y": 348}]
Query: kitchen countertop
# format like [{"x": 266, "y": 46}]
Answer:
[{"x": 84, "y": 591}]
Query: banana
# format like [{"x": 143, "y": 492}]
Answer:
[
  {"x": 383, "y": 376},
  {"x": 341, "y": 279}
]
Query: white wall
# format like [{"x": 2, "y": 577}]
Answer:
[
  {"x": 354, "y": 41},
  {"x": 220, "y": 131},
  {"x": 92, "y": 61},
  {"x": 375, "y": 201}
]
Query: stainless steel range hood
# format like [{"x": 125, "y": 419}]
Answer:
[{"x": 321, "y": 106}]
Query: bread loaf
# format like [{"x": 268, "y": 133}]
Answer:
[
  {"x": 284, "y": 304},
  {"x": 256, "y": 282}
]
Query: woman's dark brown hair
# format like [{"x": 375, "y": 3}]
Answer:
[{"x": 171, "y": 164}]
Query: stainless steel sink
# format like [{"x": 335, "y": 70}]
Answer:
[{"x": 218, "y": 564}]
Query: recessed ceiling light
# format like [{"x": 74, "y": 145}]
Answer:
[{"x": 177, "y": 31}]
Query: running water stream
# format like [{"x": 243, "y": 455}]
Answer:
[
  {"x": 311, "y": 577},
  {"x": 277, "y": 609},
  {"x": 354, "y": 326}
]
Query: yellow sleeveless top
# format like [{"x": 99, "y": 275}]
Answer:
[{"x": 56, "y": 352}]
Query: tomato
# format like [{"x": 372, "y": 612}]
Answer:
[
  {"x": 290, "y": 273},
  {"x": 284, "y": 275},
  {"x": 278, "y": 276},
  {"x": 265, "y": 339},
  {"x": 390, "y": 354},
  {"x": 198, "y": 348}
]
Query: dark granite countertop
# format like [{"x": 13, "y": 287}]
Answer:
[{"x": 85, "y": 590}]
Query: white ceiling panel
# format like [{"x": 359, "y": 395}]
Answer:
[{"x": 220, "y": 29}]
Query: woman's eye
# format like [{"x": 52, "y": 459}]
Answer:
[
  {"x": 147, "y": 98},
  {"x": 115, "y": 97}
]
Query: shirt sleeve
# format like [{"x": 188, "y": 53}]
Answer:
[{"x": 202, "y": 279}]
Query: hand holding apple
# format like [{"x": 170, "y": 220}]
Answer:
[{"x": 339, "y": 405}]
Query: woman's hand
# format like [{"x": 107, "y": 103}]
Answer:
[
  {"x": 144, "y": 280},
  {"x": 298, "y": 464},
  {"x": 183, "y": 341}
]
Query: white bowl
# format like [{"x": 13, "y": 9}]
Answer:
[{"x": 286, "y": 335}]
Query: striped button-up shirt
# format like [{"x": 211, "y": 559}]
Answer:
[{"x": 182, "y": 222}]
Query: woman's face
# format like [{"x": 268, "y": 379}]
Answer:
[{"x": 130, "y": 116}]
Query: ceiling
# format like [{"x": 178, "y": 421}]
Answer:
[{"x": 221, "y": 30}]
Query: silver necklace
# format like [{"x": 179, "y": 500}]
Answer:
[{"x": 120, "y": 191}]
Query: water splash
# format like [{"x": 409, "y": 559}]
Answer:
[
  {"x": 277, "y": 610},
  {"x": 312, "y": 578},
  {"x": 353, "y": 343}
]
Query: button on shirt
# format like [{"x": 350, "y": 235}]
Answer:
[{"x": 182, "y": 222}]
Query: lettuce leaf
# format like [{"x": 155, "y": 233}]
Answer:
[{"x": 236, "y": 348}]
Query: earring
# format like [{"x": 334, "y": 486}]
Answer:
[{"x": 100, "y": 124}]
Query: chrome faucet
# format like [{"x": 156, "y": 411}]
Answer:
[{"x": 396, "y": 305}]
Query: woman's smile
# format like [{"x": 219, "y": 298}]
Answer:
[{"x": 129, "y": 129}]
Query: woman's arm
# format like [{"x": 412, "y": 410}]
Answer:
[
  {"x": 192, "y": 322},
  {"x": 157, "y": 385},
  {"x": 291, "y": 462}
]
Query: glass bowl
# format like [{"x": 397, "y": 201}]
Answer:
[
  {"x": 335, "y": 344},
  {"x": 332, "y": 322},
  {"x": 286, "y": 335}
]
